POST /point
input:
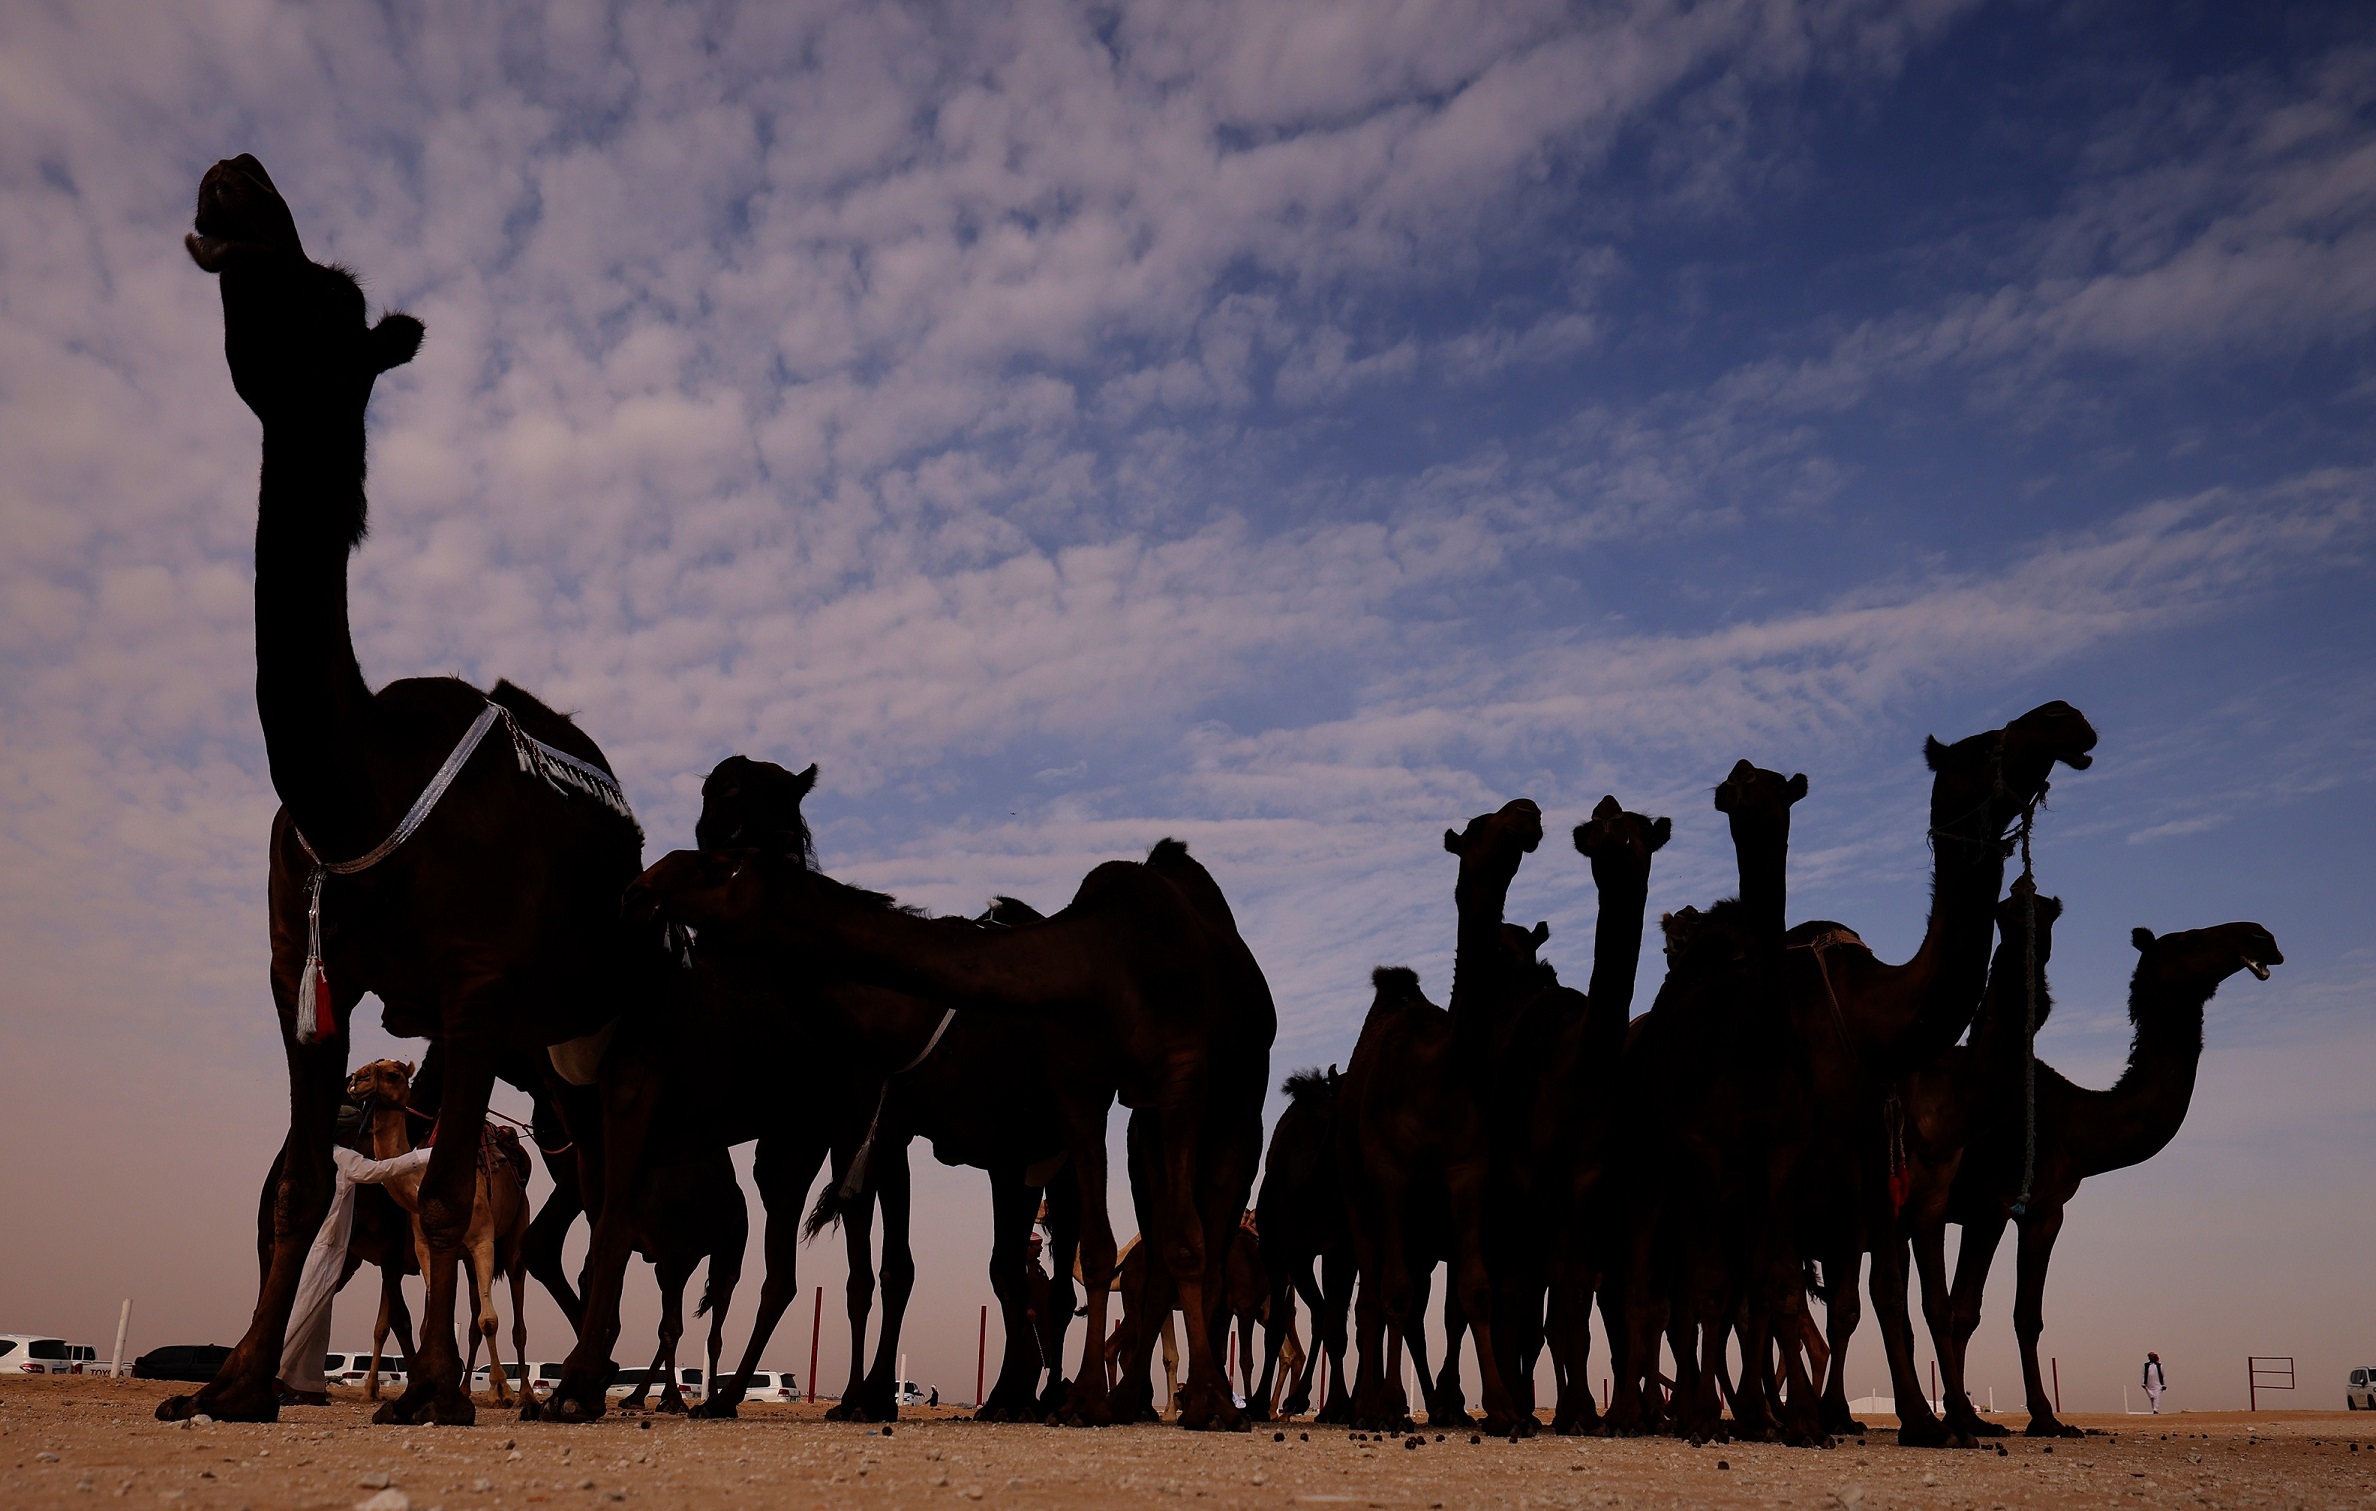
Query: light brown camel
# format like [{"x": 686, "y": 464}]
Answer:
[
  {"x": 496, "y": 921},
  {"x": 1150, "y": 994},
  {"x": 1413, "y": 1145},
  {"x": 496, "y": 1241},
  {"x": 2083, "y": 1132}
]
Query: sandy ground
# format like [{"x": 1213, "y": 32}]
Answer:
[{"x": 76, "y": 1442}]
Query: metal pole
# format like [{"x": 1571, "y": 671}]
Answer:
[
  {"x": 1935, "y": 1386},
  {"x": 816, "y": 1322},
  {"x": 982, "y": 1354},
  {"x": 115, "y": 1371},
  {"x": 2057, "y": 1364},
  {"x": 2252, "y": 1385}
]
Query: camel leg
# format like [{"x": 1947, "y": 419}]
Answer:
[
  {"x": 1386, "y": 1303},
  {"x": 1844, "y": 1268},
  {"x": 541, "y": 1250},
  {"x": 1013, "y": 1205},
  {"x": 1474, "y": 1282},
  {"x": 1337, "y": 1268},
  {"x": 1917, "y": 1427},
  {"x": 630, "y": 1086},
  {"x": 1938, "y": 1313},
  {"x": 783, "y": 1169},
  {"x": 717, "y": 1295},
  {"x": 1064, "y": 1246},
  {"x": 1972, "y": 1262},
  {"x": 1086, "y": 1404},
  {"x": 2036, "y": 1237},
  {"x": 1225, "y": 1156},
  {"x": 1278, "y": 1326},
  {"x": 857, "y": 1295},
  {"x": 519, "y": 1300},
  {"x": 1568, "y": 1332},
  {"x": 490, "y": 1325},
  {"x": 672, "y": 1330},
  {"x": 898, "y": 1279},
  {"x": 1445, "y": 1394},
  {"x": 243, "y": 1391},
  {"x": 439, "y": 1392}
]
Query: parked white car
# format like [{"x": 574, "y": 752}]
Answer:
[
  {"x": 2360, "y": 1394},
  {"x": 771, "y": 1385},
  {"x": 355, "y": 1368},
  {"x": 34, "y": 1354}
]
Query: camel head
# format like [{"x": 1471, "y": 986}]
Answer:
[
  {"x": 293, "y": 330},
  {"x": 2197, "y": 960},
  {"x": 755, "y": 805},
  {"x": 1755, "y": 790},
  {"x": 1982, "y": 784},
  {"x": 2014, "y": 912},
  {"x": 382, "y": 1082},
  {"x": 1619, "y": 844},
  {"x": 1497, "y": 841}
]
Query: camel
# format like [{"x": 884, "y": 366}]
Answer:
[
  {"x": 1863, "y": 1024},
  {"x": 495, "y": 921},
  {"x": 1301, "y": 1214},
  {"x": 1413, "y": 1144},
  {"x": 2082, "y": 1132},
  {"x": 499, "y": 1212},
  {"x": 977, "y": 1090},
  {"x": 1965, "y": 1093},
  {"x": 686, "y": 1214},
  {"x": 1561, "y": 1161},
  {"x": 1145, "y": 990},
  {"x": 1699, "y": 1144}
]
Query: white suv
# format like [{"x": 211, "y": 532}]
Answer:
[
  {"x": 2360, "y": 1394},
  {"x": 34, "y": 1354}
]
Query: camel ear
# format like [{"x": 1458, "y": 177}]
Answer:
[
  {"x": 409, "y": 1067},
  {"x": 1452, "y": 841},
  {"x": 804, "y": 781},
  {"x": 1661, "y": 830},
  {"x": 1797, "y": 787},
  {"x": 2140, "y": 937},
  {"x": 394, "y": 341},
  {"x": 1541, "y": 934},
  {"x": 1933, "y": 752}
]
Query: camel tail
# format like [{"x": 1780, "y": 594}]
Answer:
[{"x": 829, "y": 1210}]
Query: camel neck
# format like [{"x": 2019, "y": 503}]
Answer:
[
  {"x": 310, "y": 694},
  {"x": 389, "y": 1136},
  {"x": 1479, "y": 961},
  {"x": 1761, "y": 853},
  {"x": 1945, "y": 980},
  {"x": 1617, "y": 950},
  {"x": 2141, "y": 1112}
]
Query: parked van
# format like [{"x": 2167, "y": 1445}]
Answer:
[
  {"x": 2360, "y": 1394},
  {"x": 33, "y": 1354}
]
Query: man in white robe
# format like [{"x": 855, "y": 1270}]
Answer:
[{"x": 308, "y": 1338}]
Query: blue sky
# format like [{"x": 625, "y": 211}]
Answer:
[{"x": 1297, "y": 429}]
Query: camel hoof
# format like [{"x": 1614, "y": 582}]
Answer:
[
  {"x": 1981, "y": 1429},
  {"x": 456, "y": 1410},
  {"x": 714, "y": 1410}
]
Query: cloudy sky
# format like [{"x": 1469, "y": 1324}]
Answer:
[{"x": 1292, "y": 428}]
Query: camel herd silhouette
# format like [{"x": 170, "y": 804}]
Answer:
[{"x": 1788, "y": 1105}]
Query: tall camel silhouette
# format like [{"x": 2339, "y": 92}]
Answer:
[
  {"x": 497, "y": 921},
  {"x": 1865, "y": 1024},
  {"x": 1146, "y": 992},
  {"x": 1568, "y": 1134}
]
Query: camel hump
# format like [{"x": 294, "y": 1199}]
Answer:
[
  {"x": 548, "y": 725},
  {"x": 1170, "y": 859},
  {"x": 1310, "y": 1081}
]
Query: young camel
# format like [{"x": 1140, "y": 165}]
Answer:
[
  {"x": 496, "y": 1241},
  {"x": 1149, "y": 994}
]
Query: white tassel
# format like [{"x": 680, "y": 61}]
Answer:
[{"x": 316, "y": 1019}]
